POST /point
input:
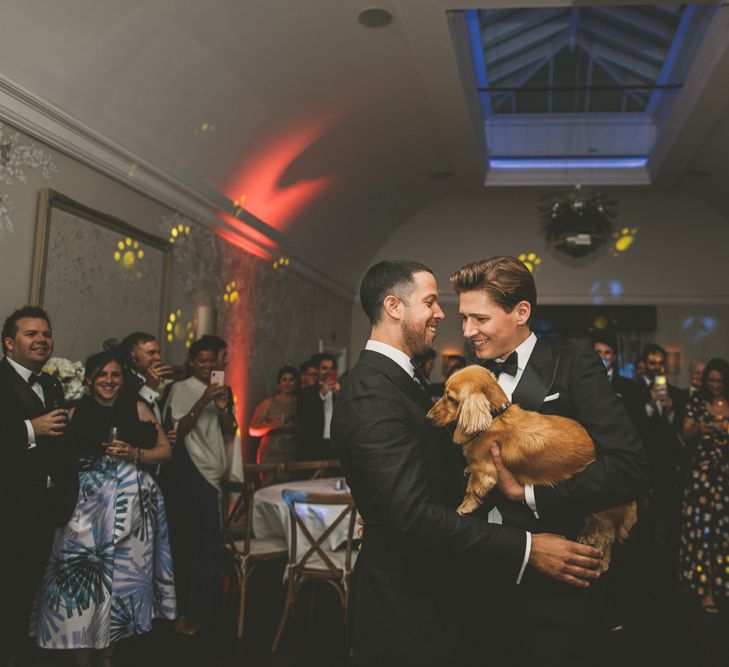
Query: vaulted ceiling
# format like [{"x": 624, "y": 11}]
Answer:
[{"x": 290, "y": 124}]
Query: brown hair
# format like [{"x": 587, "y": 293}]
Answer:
[{"x": 506, "y": 280}]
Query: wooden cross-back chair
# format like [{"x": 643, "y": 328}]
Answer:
[
  {"x": 317, "y": 469},
  {"x": 316, "y": 561},
  {"x": 244, "y": 550}
]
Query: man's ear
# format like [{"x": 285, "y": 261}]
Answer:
[
  {"x": 474, "y": 413},
  {"x": 522, "y": 312},
  {"x": 393, "y": 306}
]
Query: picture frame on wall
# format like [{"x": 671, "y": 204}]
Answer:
[{"x": 97, "y": 276}]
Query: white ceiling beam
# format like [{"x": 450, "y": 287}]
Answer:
[
  {"x": 598, "y": 50},
  {"x": 621, "y": 78},
  {"x": 529, "y": 39},
  {"x": 500, "y": 74},
  {"x": 615, "y": 37},
  {"x": 519, "y": 22},
  {"x": 519, "y": 79},
  {"x": 635, "y": 20}
]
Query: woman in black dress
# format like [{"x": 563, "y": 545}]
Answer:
[{"x": 704, "y": 551}]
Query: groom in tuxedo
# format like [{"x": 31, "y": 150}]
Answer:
[
  {"x": 550, "y": 623},
  {"x": 413, "y": 579},
  {"x": 38, "y": 476}
]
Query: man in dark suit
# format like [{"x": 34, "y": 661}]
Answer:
[
  {"x": 314, "y": 409},
  {"x": 38, "y": 476},
  {"x": 409, "y": 590},
  {"x": 552, "y": 623}
]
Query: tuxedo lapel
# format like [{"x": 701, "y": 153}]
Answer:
[
  {"x": 398, "y": 376},
  {"x": 31, "y": 402},
  {"x": 537, "y": 378}
]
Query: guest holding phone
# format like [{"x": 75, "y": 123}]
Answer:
[
  {"x": 110, "y": 570},
  {"x": 199, "y": 407},
  {"x": 315, "y": 407},
  {"x": 274, "y": 421},
  {"x": 704, "y": 554}
]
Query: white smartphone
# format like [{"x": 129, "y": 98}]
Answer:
[{"x": 217, "y": 377}]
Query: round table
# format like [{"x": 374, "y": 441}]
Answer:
[{"x": 271, "y": 515}]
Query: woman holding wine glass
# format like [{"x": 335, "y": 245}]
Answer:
[{"x": 110, "y": 570}]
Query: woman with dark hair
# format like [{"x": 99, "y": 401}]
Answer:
[
  {"x": 704, "y": 551},
  {"x": 110, "y": 570},
  {"x": 200, "y": 410},
  {"x": 274, "y": 420}
]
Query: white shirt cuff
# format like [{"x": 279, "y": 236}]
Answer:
[
  {"x": 31, "y": 434},
  {"x": 649, "y": 409},
  {"x": 531, "y": 500},
  {"x": 148, "y": 394},
  {"x": 527, "y": 551}
]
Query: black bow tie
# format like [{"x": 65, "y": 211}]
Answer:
[
  {"x": 419, "y": 376},
  {"x": 34, "y": 378},
  {"x": 509, "y": 366}
]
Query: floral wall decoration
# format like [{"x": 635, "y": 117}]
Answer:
[{"x": 16, "y": 157}]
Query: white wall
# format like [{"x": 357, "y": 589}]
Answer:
[{"x": 678, "y": 260}]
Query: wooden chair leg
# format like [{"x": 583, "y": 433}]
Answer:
[
  {"x": 242, "y": 601},
  {"x": 290, "y": 595}
]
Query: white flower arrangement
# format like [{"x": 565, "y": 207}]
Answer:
[{"x": 71, "y": 375}]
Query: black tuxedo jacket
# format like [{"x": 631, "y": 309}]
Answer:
[
  {"x": 407, "y": 480},
  {"x": 310, "y": 421},
  {"x": 25, "y": 502},
  {"x": 573, "y": 379}
]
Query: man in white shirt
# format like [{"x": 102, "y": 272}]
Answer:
[
  {"x": 551, "y": 623},
  {"x": 38, "y": 476},
  {"x": 314, "y": 409}
]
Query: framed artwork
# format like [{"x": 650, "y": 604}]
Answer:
[{"x": 96, "y": 276}]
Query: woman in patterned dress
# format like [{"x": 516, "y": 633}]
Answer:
[
  {"x": 110, "y": 570},
  {"x": 704, "y": 551}
]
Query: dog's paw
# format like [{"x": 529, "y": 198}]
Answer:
[{"x": 467, "y": 506}]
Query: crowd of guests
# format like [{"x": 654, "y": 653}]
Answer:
[{"x": 111, "y": 506}]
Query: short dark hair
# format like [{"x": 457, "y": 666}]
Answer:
[
  {"x": 96, "y": 362},
  {"x": 720, "y": 365},
  {"x": 132, "y": 340},
  {"x": 326, "y": 356},
  {"x": 505, "y": 279},
  {"x": 653, "y": 348},
  {"x": 391, "y": 276},
  {"x": 306, "y": 365},
  {"x": 203, "y": 344},
  {"x": 606, "y": 339},
  {"x": 219, "y": 343},
  {"x": 10, "y": 328},
  {"x": 290, "y": 370}
]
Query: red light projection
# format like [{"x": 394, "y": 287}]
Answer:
[
  {"x": 245, "y": 244},
  {"x": 260, "y": 184}
]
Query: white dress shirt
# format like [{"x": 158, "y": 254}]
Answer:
[{"x": 149, "y": 396}]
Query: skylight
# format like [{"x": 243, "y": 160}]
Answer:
[{"x": 580, "y": 88}]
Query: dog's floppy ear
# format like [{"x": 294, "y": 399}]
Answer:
[{"x": 474, "y": 414}]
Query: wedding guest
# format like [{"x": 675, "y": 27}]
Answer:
[
  {"x": 38, "y": 480},
  {"x": 704, "y": 551},
  {"x": 201, "y": 411},
  {"x": 315, "y": 408},
  {"x": 144, "y": 371},
  {"x": 308, "y": 374},
  {"x": 110, "y": 570},
  {"x": 274, "y": 421}
]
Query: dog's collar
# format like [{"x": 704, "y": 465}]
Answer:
[{"x": 500, "y": 411}]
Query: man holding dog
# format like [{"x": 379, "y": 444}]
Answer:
[
  {"x": 550, "y": 622},
  {"x": 412, "y": 583}
]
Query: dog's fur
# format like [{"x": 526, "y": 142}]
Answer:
[{"x": 537, "y": 449}]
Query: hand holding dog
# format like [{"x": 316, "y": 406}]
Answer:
[
  {"x": 506, "y": 482},
  {"x": 564, "y": 560}
]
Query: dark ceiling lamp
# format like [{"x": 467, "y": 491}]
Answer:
[{"x": 578, "y": 223}]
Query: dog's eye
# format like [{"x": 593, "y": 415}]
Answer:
[{"x": 450, "y": 399}]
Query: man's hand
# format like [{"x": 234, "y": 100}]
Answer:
[
  {"x": 221, "y": 398},
  {"x": 329, "y": 385},
  {"x": 506, "y": 482},
  {"x": 566, "y": 561},
  {"x": 155, "y": 375},
  {"x": 172, "y": 436},
  {"x": 50, "y": 424}
]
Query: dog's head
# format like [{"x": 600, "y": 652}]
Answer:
[{"x": 470, "y": 396}]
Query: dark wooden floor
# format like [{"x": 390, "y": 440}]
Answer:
[{"x": 667, "y": 630}]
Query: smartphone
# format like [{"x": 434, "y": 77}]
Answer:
[
  {"x": 661, "y": 385},
  {"x": 331, "y": 376},
  {"x": 217, "y": 377}
]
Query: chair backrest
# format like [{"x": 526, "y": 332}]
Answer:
[
  {"x": 314, "y": 546},
  {"x": 264, "y": 474},
  {"x": 237, "y": 510}
]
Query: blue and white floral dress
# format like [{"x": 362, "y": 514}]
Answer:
[{"x": 110, "y": 570}]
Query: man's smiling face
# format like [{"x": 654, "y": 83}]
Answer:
[{"x": 493, "y": 332}]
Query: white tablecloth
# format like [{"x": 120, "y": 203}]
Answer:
[{"x": 271, "y": 515}]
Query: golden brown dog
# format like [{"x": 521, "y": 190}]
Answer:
[{"x": 537, "y": 449}]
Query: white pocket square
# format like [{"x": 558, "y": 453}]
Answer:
[{"x": 551, "y": 397}]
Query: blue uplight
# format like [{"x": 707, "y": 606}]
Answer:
[{"x": 569, "y": 163}]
